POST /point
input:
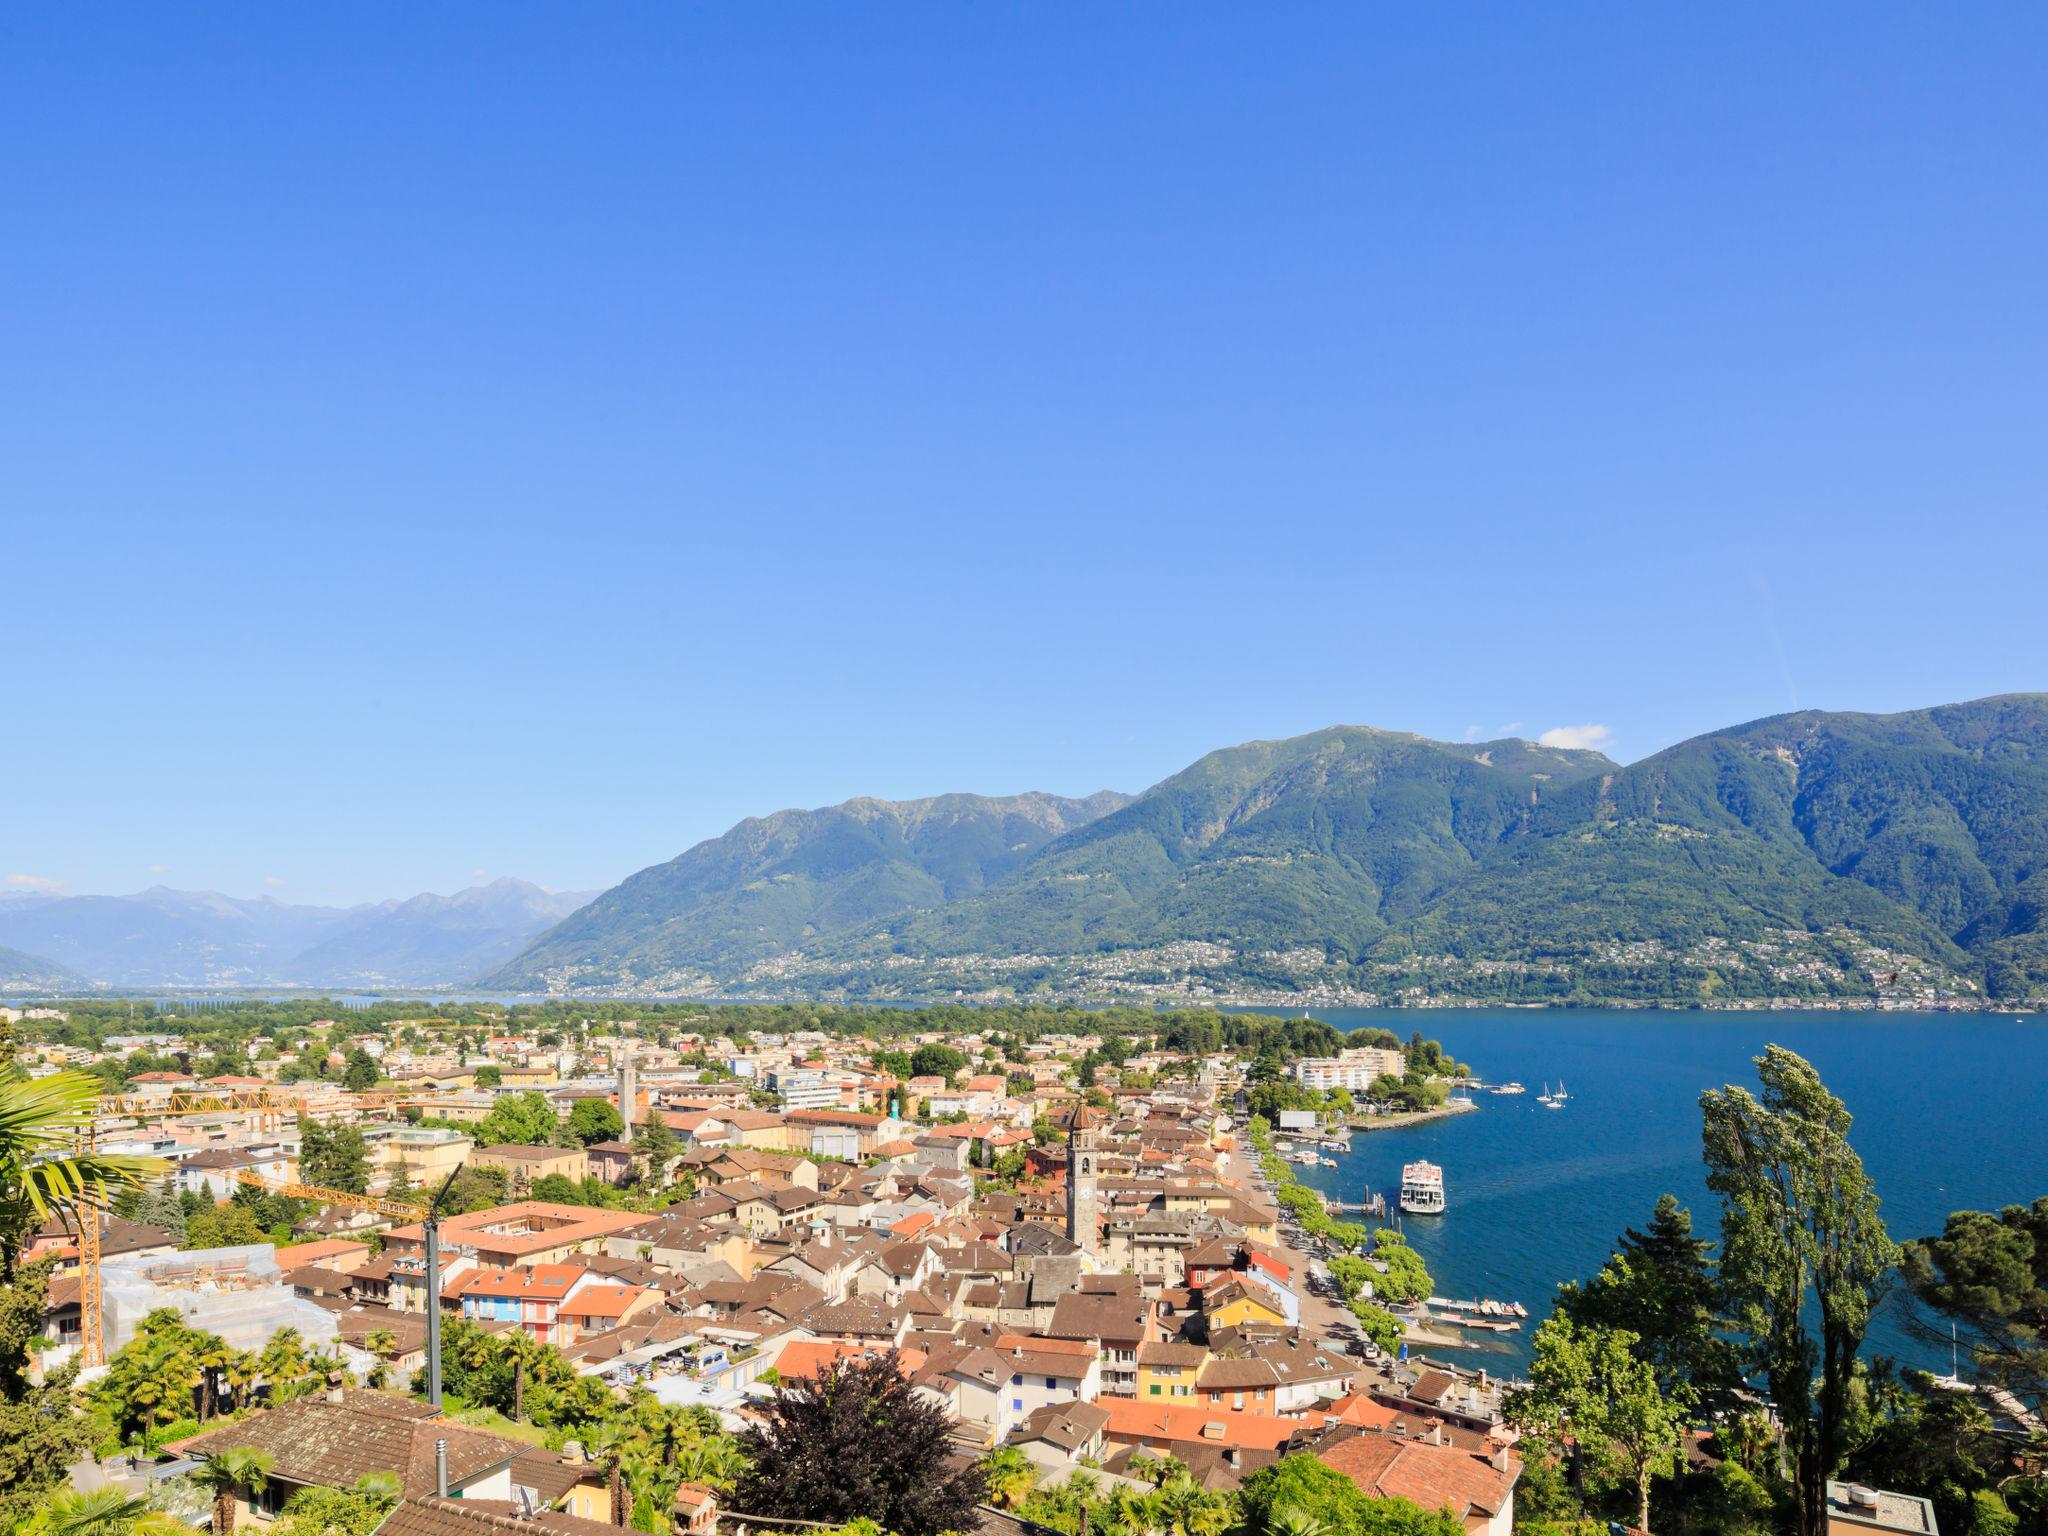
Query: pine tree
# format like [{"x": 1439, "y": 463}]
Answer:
[{"x": 1660, "y": 1286}]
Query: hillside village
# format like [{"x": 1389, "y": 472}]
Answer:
[{"x": 1063, "y": 1241}]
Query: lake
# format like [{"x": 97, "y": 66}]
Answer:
[{"x": 1951, "y": 1112}]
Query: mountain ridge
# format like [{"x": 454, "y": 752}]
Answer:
[
  {"x": 161, "y": 936},
  {"x": 1812, "y": 855}
]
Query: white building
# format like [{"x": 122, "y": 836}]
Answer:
[{"x": 1356, "y": 1069}]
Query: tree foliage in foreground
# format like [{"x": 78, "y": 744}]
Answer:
[
  {"x": 1587, "y": 1384},
  {"x": 855, "y": 1442},
  {"x": 1304, "y": 1485},
  {"x": 1801, "y": 1242}
]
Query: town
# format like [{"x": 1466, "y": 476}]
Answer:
[{"x": 460, "y": 1251}]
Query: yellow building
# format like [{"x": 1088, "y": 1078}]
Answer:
[
  {"x": 1169, "y": 1370},
  {"x": 525, "y": 1166},
  {"x": 427, "y": 1153},
  {"x": 533, "y": 1074},
  {"x": 1233, "y": 1304}
]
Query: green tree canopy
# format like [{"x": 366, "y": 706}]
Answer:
[
  {"x": 856, "y": 1442},
  {"x": 1801, "y": 1239},
  {"x": 595, "y": 1120},
  {"x": 1325, "y": 1495},
  {"x": 1660, "y": 1286},
  {"x": 1588, "y": 1384},
  {"x": 522, "y": 1120}
]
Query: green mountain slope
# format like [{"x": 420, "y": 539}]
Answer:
[
  {"x": 1318, "y": 841},
  {"x": 774, "y": 883},
  {"x": 1897, "y": 843},
  {"x": 1814, "y": 855}
]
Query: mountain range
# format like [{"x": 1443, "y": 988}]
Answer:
[
  {"x": 166, "y": 938},
  {"x": 1810, "y": 856}
]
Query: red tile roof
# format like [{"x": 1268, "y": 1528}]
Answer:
[
  {"x": 1133, "y": 1420},
  {"x": 1433, "y": 1476}
]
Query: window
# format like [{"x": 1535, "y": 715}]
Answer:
[
  {"x": 1155, "y": 1389},
  {"x": 1017, "y": 1381},
  {"x": 1017, "y": 1403},
  {"x": 1050, "y": 1383}
]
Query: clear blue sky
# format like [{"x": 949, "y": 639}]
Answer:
[{"x": 526, "y": 439}]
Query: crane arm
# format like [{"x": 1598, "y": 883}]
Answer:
[{"x": 330, "y": 1196}]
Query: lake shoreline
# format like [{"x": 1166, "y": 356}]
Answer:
[{"x": 1412, "y": 1117}]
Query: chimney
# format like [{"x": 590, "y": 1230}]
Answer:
[
  {"x": 441, "y": 1468},
  {"x": 334, "y": 1380}
]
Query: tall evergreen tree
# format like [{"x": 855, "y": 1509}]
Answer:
[
  {"x": 1801, "y": 1242},
  {"x": 1659, "y": 1285}
]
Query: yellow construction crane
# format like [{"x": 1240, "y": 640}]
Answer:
[
  {"x": 429, "y": 1219},
  {"x": 328, "y": 1196},
  {"x": 267, "y": 1104}
]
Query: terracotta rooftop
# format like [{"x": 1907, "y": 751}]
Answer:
[{"x": 1434, "y": 1476}]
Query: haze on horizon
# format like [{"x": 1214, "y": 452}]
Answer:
[{"x": 701, "y": 413}]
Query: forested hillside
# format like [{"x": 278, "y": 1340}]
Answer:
[{"x": 1808, "y": 856}]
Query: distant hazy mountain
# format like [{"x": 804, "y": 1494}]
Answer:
[
  {"x": 162, "y": 937},
  {"x": 1808, "y": 855},
  {"x": 773, "y": 883},
  {"x": 432, "y": 940},
  {"x": 32, "y": 973}
]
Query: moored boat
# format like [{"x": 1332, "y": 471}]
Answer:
[{"x": 1422, "y": 1189}]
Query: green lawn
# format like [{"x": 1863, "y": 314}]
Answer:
[{"x": 498, "y": 1424}]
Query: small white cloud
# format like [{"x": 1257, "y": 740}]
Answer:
[
  {"x": 1511, "y": 728},
  {"x": 273, "y": 881},
  {"x": 1475, "y": 733},
  {"x": 1585, "y": 738},
  {"x": 159, "y": 869},
  {"x": 34, "y": 883},
  {"x": 478, "y": 874}
]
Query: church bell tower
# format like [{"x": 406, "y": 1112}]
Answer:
[{"x": 1083, "y": 1225}]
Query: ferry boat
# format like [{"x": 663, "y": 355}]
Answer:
[
  {"x": 1422, "y": 1189},
  {"x": 1508, "y": 1088}
]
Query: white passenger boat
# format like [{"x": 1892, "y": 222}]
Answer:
[{"x": 1422, "y": 1189}]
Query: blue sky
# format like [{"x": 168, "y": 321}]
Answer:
[{"x": 526, "y": 439}]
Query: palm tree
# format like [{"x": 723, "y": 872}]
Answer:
[
  {"x": 283, "y": 1360},
  {"x": 1009, "y": 1475},
  {"x": 1293, "y": 1520},
  {"x": 239, "y": 1375},
  {"x": 225, "y": 1474},
  {"x": 1127, "y": 1512},
  {"x": 151, "y": 1382},
  {"x": 45, "y": 1122},
  {"x": 606, "y": 1445},
  {"x": 524, "y": 1352},
  {"x": 380, "y": 1487},
  {"x": 665, "y": 1431},
  {"x": 715, "y": 1460},
  {"x": 213, "y": 1356},
  {"x": 103, "y": 1512},
  {"x": 1188, "y": 1509},
  {"x": 1157, "y": 1470}
]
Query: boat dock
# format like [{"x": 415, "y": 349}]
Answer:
[{"x": 1373, "y": 1205}]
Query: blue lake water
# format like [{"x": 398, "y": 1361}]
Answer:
[{"x": 1951, "y": 1112}]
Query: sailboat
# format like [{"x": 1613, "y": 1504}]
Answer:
[
  {"x": 1556, "y": 1100},
  {"x": 1544, "y": 1098}
]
